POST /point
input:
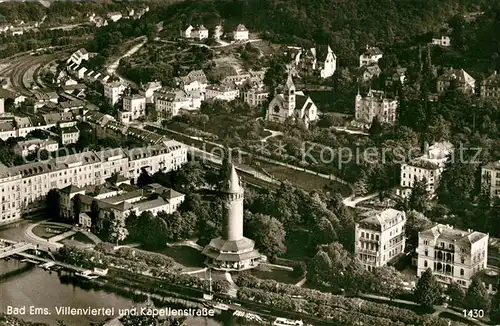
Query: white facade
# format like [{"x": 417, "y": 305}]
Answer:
[
  {"x": 2, "y": 106},
  {"x": 113, "y": 91},
  {"x": 375, "y": 104},
  {"x": 369, "y": 56},
  {"x": 24, "y": 148},
  {"x": 155, "y": 158},
  {"x": 292, "y": 104},
  {"x": 490, "y": 176},
  {"x": 453, "y": 255},
  {"x": 443, "y": 41},
  {"x": 78, "y": 57},
  {"x": 186, "y": 31},
  {"x": 380, "y": 237},
  {"x": 149, "y": 89},
  {"x": 24, "y": 187},
  {"x": 429, "y": 166},
  {"x": 69, "y": 135},
  {"x": 114, "y": 16},
  {"x": 199, "y": 33},
  {"x": 241, "y": 33},
  {"x": 222, "y": 92},
  {"x": 255, "y": 97},
  {"x": 136, "y": 105}
]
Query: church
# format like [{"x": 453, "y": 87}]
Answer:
[
  {"x": 232, "y": 251},
  {"x": 292, "y": 104}
]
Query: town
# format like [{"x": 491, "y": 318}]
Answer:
[{"x": 193, "y": 156}]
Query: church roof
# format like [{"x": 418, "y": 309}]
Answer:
[
  {"x": 300, "y": 100},
  {"x": 289, "y": 82}
]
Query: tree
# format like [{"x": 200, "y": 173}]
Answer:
[
  {"x": 477, "y": 296},
  {"x": 495, "y": 308},
  {"x": 77, "y": 207},
  {"x": 117, "y": 229},
  {"x": 428, "y": 290},
  {"x": 376, "y": 127},
  {"x": 415, "y": 223},
  {"x": 269, "y": 235},
  {"x": 144, "y": 178},
  {"x": 94, "y": 214},
  {"x": 456, "y": 294},
  {"x": 419, "y": 196},
  {"x": 387, "y": 281},
  {"x": 53, "y": 204}
]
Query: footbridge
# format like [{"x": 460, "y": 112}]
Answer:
[{"x": 9, "y": 247}]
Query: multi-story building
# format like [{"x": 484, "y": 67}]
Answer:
[
  {"x": 490, "y": 176},
  {"x": 136, "y": 105},
  {"x": 69, "y": 135},
  {"x": 149, "y": 89},
  {"x": 222, "y": 92},
  {"x": 168, "y": 104},
  {"x": 453, "y": 255},
  {"x": 195, "y": 80},
  {"x": 255, "y": 96},
  {"x": 113, "y": 91},
  {"x": 199, "y": 32},
  {"x": 24, "y": 148},
  {"x": 380, "y": 237},
  {"x": 186, "y": 31},
  {"x": 24, "y": 187},
  {"x": 166, "y": 157},
  {"x": 458, "y": 78},
  {"x": 240, "y": 33},
  {"x": 370, "y": 55},
  {"x": 490, "y": 87},
  {"x": 375, "y": 104},
  {"x": 429, "y": 166},
  {"x": 319, "y": 60}
]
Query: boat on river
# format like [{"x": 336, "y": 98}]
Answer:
[{"x": 86, "y": 275}]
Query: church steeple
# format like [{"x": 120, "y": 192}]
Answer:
[{"x": 289, "y": 94}]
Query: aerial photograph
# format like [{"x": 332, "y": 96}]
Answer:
[{"x": 249, "y": 162}]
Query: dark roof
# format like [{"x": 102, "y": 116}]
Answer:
[
  {"x": 71, "y": 189},
  {"x": 492, "y": 80},
  {"x": 300, "y": 100},
  {"x": 69, "y": 130},
  {"x": 371, "y": 51},
  {"x": 322, "y": 52}
]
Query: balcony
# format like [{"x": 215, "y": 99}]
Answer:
[{"x": 368, "y": 252}]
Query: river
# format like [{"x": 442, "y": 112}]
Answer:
[{"x": 32, "y": 286}]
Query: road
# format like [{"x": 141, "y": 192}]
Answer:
[{"x": 111, "y": 69}]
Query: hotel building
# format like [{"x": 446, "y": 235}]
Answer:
[
  {"x": 380, "y": 237},
  {"x": 453, "y": 255},
  {"x": 490, "y": 176},
  {"x": 429, "y": 166},
  {"x": 24, "y": 187}
]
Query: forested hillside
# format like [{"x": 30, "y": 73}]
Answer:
[{"x": 347, "y": 25}]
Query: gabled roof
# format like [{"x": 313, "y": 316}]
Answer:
[
  {"x": 241, "y": 28},
  {"x": 372, "y": 51},
  {"x": 71, "y": 189},
  {"x": 448, "y": 233},
  {"x": 322, "y": 52},
  {"x": 492, "y": 80},
  {"x": 457, "y": 74}
]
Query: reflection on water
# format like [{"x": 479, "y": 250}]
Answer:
[
  {"x": 25, "y": 285},
  {"x": 21, "y": 284}
]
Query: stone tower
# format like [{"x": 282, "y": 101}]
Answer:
[
  {"x": 232, "y": 194},
  {"x": 289, "y": 95},
  {"x": 232, "y": 251}
]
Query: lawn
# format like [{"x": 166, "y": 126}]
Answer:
[
  {"x": 47, "y": 230},
  {"x": 266, "y": 272},
  {"x": 304, "y": 180},
  {"x": 185, "y": 256},
  {"x": 80, "y": 237}
]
